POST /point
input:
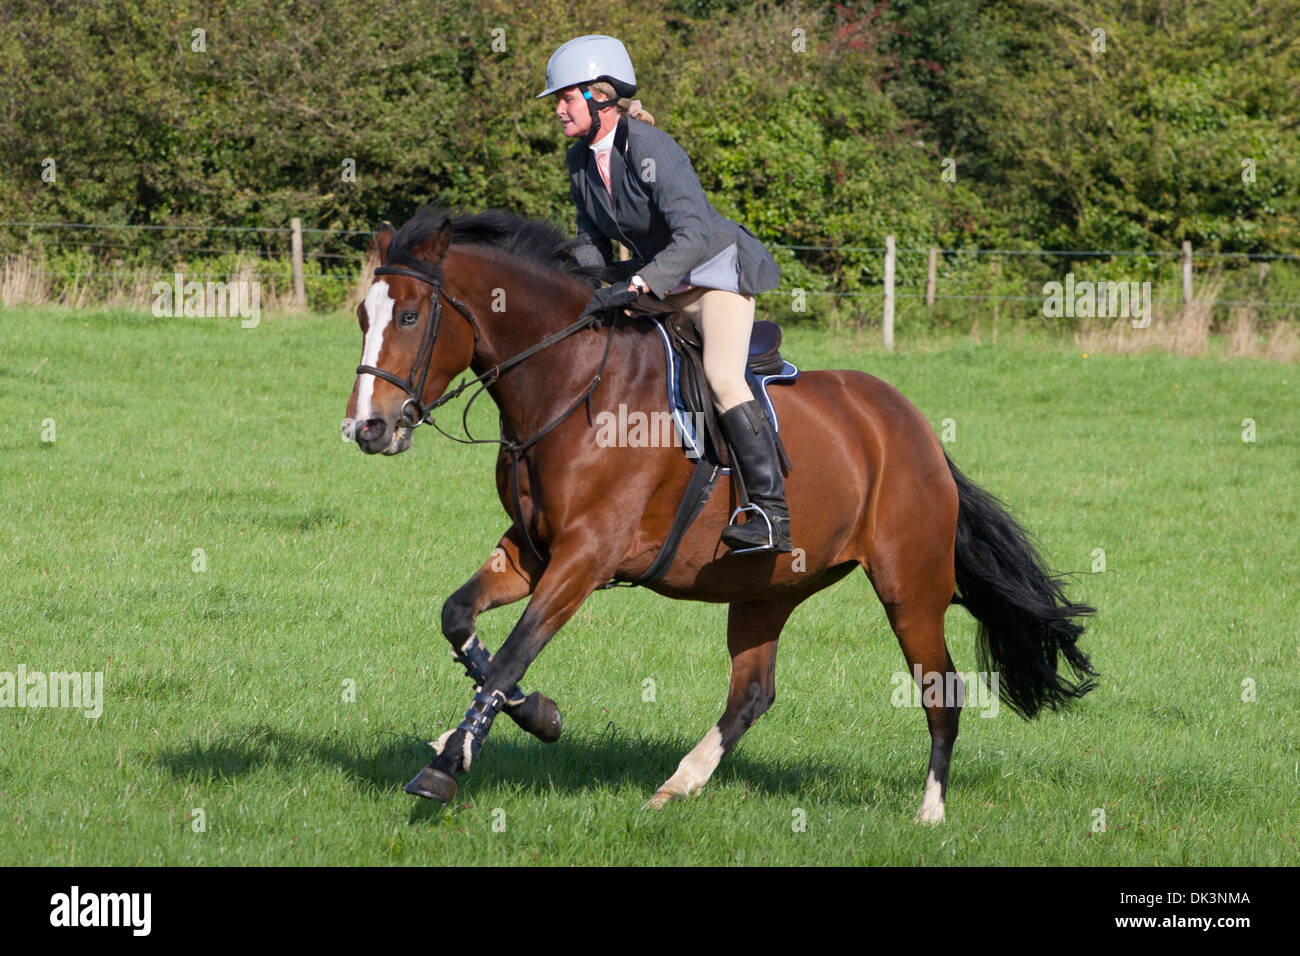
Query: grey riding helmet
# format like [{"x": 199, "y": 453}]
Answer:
[{"x": 585, "y": 60}]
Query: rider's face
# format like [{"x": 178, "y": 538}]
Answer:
[{"x": 571, "y": 108}]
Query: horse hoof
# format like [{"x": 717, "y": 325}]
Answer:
[
  {"x": 539, "y": 715},
  {"x": 660, "y": 800},
  {"x": 433, "y": 785},
  {"x": 929, "y": 816}
]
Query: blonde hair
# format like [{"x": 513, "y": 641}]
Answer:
[{"x": 622, "y": 103}]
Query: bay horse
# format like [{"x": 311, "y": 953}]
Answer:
[{"x": 870, "y": 487}]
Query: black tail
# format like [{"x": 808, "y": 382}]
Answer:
[{"x": 1024, "y": 616}]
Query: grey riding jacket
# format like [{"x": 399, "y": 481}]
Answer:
[{"x": 661, "y": 214}]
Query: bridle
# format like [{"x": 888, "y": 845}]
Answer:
[
  {"x": 416, "y": 269},
  {"x": 423, "y": 358}
]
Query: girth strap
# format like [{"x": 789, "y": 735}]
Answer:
[{"x": 697, "y": 494}]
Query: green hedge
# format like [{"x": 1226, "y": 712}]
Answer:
[{"x": 824, "y": 124}]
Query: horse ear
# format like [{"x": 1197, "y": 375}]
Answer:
[
  {"x": 435, "y": 247},
  {"x": 384, "y": 240}
]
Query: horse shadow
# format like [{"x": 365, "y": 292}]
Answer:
[{"x": 574, "y": 765}]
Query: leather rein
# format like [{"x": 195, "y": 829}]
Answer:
[{"x": 424, "y": 359}]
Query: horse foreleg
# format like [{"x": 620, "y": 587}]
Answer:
[
  {"x": 752, "y": 632},
  {"x": 572, "y": 573},
  {"x": 508, "y": 575}
]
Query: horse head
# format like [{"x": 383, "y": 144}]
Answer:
[{"x": 412, "y": 345}]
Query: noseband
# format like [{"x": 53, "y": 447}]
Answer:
[{"x": 423, "y": 358}]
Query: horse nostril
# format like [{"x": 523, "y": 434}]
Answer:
[{"x": 372, "y": 430}]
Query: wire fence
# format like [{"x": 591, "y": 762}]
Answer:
[{"x": 336, "y": 257}]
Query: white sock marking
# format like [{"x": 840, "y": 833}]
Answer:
[
  {"x": 697, "y": 766},
  {"x": 932, "y": 805}
]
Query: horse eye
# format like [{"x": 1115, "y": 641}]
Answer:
[{"x": 406, "y": 318}]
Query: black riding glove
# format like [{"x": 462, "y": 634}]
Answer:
[{"x": 610, "y": 297}]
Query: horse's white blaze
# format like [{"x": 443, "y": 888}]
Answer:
[
  {"x": 932, "y": 805},
  {"x": 379, "y": 308},
  {"x": 697, "y": 766}
]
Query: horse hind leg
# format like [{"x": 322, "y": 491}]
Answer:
[
  {"x": 919, "y": 628},
  {"x": 753, "y": 628},
  {"x": 907, "y": 553}
]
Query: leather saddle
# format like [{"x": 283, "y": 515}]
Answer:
[
  {"x": 765, "y": 361},
  {"x": 764, "y": 342},
  {"x": 689, "y": 393}
]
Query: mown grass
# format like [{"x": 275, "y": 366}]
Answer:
[{"x": 225, "y": 687}]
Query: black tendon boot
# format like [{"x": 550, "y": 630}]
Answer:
[{"x": 749, "y": 433}]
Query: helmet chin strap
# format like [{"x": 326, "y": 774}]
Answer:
[{"x": 594, "y": 107}]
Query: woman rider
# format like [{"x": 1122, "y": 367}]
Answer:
[{"x": 687, "y": 257}]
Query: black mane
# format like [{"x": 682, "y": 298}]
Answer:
[{"x": 532, "y": 240}]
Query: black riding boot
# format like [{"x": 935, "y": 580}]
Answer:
[{"x": 749, "y": 433}]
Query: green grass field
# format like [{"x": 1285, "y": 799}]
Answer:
[{"x": 225, "y": 688}]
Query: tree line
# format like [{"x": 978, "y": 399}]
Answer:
[{"x": 1114, "y": 124}]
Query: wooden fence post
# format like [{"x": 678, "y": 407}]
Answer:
[
  {"x": 1187, "y": 275},
  {"x": 931, "y": 276},
  {"x": 997, "y": 295},
  {"x": 299, "y": 286},
  {"x": 889, "y": 292}
]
